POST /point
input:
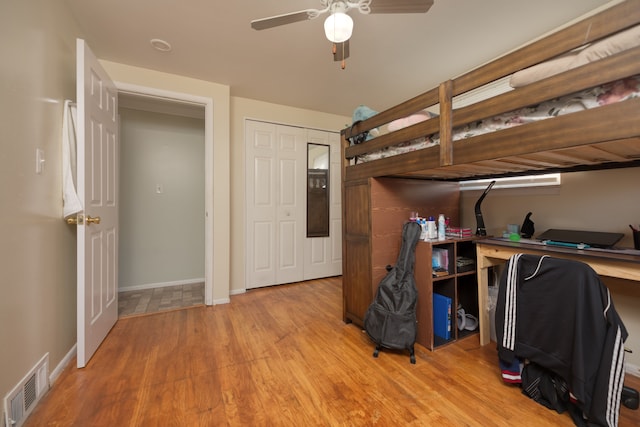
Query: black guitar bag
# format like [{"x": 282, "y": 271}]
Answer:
[{"x": 390, "y": 320}]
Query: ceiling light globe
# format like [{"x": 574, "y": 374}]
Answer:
[{"x": 338, "y": 27}]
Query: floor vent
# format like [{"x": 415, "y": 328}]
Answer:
[{"x": 19, "y": 403}]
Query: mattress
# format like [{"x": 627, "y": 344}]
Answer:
[{"x": 617, "y": 91}]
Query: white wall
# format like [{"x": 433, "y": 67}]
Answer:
[
  {"x": 229, "y": 114},
  {"x": 161, "y": 199},
  {"x": 607, "y": 200},
  {"x": 37, "y": 248},
  {"x": 37, "y": 252}
]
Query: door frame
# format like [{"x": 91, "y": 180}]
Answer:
[{"x": 207, "y": 103}]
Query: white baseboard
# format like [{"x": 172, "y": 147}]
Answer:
[
  {"x": 237, "y": 291},
  {"x": 63, "y": 364},
  {"x": 160, "y": 285},
  {"x": 231, "y": 293},
  {"x": 632, "y": 369}
]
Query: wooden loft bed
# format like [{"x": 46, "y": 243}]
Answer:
[
  {"x": 602, "y": 137},
  {"x": 379, "y": 194}
]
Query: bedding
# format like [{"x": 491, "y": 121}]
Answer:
[
  {"x": 413, "y": 119},
  {"x": 414, "y": 144},
  {"x": 362, "y": 112},
  {"x": 611, "y": 45},
  {"x": 609, "y": 93}
]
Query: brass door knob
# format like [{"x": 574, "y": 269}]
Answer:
[
  {"x": 92, "y": 220},
  {"x": 81, "y": 219}
]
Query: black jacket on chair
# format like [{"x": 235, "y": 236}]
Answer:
[{"x": 558, "y": 314}]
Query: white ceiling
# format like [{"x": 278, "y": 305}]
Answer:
[{"x": 394, "y": 57}]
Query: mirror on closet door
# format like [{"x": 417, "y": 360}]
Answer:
[{"x": 317, "y": 190}]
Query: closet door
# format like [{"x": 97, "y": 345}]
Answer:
[
  {"x": 334, "y": 268},
  {"x": 323, "y": 255},
  {"x": 275, "y": 203},
  {"x": 291, "y": 203}
]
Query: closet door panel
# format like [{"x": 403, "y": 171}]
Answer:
[
  {"x": 277, "y": 248},
  {"x": 261, "y": 203},
  {"x": 290, "y": 209}
]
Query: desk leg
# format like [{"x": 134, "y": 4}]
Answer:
[
  {"x": 485, "y": 259},
  {"x": 483, "y": 297}
]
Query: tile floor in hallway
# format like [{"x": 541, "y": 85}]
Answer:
[{"x": 159, "y": 299}]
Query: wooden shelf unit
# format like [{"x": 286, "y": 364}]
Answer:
[
  {"x": 459, "y": 285},
  {"x": 374, "y": 211}
]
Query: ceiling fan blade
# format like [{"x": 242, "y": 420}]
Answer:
[
  {"x": 401, "y": 6},
  {"x": 342, "y": 51},
  {"x": 287, "y": 18}
]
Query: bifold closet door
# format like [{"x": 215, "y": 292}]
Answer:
[
  {"x": 275, "y": 203},
  {"x": 323, "y": 255}
]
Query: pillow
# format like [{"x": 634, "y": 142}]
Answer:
[
  {"x": 404, "y": 122},
  {"x": 601, "y": 49},
  {"x": 542, "y": 70},
  {"x": 610, "y": 46}
]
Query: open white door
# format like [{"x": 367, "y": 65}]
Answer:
[{"x": 97, "y": 172}]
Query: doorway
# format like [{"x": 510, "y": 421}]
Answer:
[
  {"x": 161, "y": 205},
  {"x": 181, "y": 106}
]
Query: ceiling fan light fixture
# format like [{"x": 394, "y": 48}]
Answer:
[{"x": 338, "y": 27}]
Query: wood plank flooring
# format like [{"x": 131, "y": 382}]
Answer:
[{"x": 282, "y": 356}]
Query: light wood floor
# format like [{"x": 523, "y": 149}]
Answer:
[{"x": 282, "y": 356}]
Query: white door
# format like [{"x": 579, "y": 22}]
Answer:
[
  {"x": 275, "y": 203},
  {"x": 97, "y": 172},
  {"x": 291, "y": 203},
  {"x": 260, "y": 203},
  {"x": 334, "y": 267},
  {"x": 323, "y": 255}
]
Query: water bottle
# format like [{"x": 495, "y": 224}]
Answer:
[
  {"x": 432, "y": 232},
  {"x": 441, "y": 227}
]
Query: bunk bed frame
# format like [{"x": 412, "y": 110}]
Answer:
[
  {"x": 377, "y": 195},
  {"x": 604, "y": 137}
]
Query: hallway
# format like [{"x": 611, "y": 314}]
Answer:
[{"x": 146, "y": 301}]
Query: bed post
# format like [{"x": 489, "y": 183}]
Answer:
[
  {"x": 446, "y": 144},
  {"x": 344, "y": 144}
]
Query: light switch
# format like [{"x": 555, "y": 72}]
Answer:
[
  {"x": 159, "y": 189},
  {"x": 39, "y": 161}
]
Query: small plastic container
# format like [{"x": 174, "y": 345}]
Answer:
[
  {"x": 442, "y": 227},
  {"x": 514, "y": 232},
  {"x": 432, "y": 231}
]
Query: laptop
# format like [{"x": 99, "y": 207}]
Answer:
[{"x": 595, "y": 239}]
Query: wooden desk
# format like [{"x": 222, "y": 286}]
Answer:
[{"x": 623, "y": 264}]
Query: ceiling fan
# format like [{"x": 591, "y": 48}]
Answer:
[{"x": 338, "y": 26}]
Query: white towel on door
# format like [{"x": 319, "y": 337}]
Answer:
[{"x": 70, "y": 199}]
